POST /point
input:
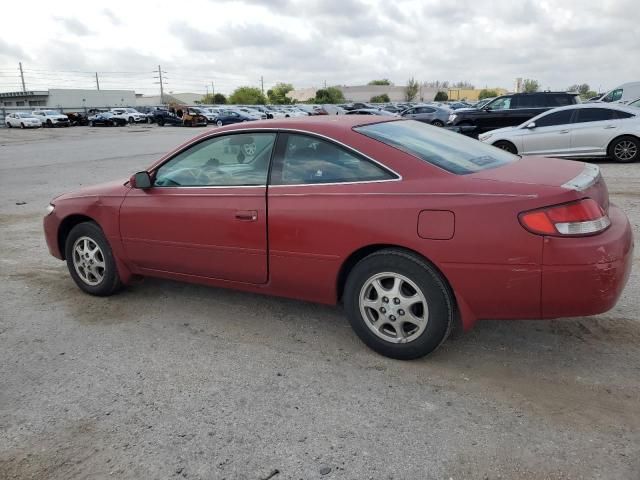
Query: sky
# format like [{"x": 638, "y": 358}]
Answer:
[{"x": 312, "y": 42}]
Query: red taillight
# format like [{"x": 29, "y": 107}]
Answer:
[{"x": 584, "y": 217}]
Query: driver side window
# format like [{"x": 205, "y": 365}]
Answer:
[{"x": 230, "y": 160}]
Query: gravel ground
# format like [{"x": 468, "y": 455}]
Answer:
[{"x": 168, "y": 380}]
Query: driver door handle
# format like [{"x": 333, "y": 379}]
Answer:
[
  {"x": 247, "y": 215},
  {"x": 563, "y": 131},
  {"x": 610, "y": 126}
]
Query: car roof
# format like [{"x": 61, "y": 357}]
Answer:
[{"x": 610, "y": 106}]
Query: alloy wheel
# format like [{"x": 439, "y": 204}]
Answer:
[
  {"x": 625, "y": 150},
  {"x": 88, "y": 261},
  {"x": 393, "y": 307}
]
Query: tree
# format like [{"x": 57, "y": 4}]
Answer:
[
  {"x": 441, "y": 97},
  {"x": 411, "y": 90},
  {"x": 219, "y": 99},
  {"x": 247, "y": 96},
  {"x": 530, "y": 85},
  {"x": 487, "y": 93},
  {"x": 464, "y": 84},
  {"x": 384, "y": 81},
  {"x": 384, "y": 98},
  {"x": 278, "y": 94},
  {"x": 329, "y": 95},
  {"x": 583, "y": 89}
]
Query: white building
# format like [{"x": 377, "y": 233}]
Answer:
[{"x": 68, "y": 98}]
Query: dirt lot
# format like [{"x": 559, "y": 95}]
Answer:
[{"x": 167, "y": 380}]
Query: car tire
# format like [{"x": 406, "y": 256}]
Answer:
[
  {"x": 22, "y": 125},
  {"x": 624, "y": 149},
  {"x": 9, "y": 125},
  {"x": 219, "y": 123},
  {"x": 131, "y": 120},
  {"x": 91, "y": 124},
  {"x": 437, "y": 123},
  {"x": 411, "y": 299},
  {"x": 49, "y": 123},
  {"x": 507, "y": 146},
  {"x": 90, "y": 260},
  {"x": 160, "y": 123}
]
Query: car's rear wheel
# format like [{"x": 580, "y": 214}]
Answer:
[
  {"x": 9, "y": 125},
  {"x": 160, "y": 122},
  {"x": 49, "y": 123},
  {"x": 625, "y": 149},
  {"x": 504, "y": 145},
  {"x": 131, "y": 120},
  {"x": 90, "y": 260},
  {"x": 91, "y": 124},
  {"x": 219, "y": 123},
  {"x": 398, "y": 304},
  {"x": 21, "y": 125},
  {"x": 437, "y": 123}
]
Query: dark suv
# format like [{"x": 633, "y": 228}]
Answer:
[{"x": 509, "y": 110}]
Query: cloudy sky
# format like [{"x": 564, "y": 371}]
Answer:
[{"x": 310, "y": 42}]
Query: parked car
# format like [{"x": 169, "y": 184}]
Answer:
[
  {"x": 432, "y": 114},
  {"x": 131, "y": 115},
  {"x": 625, "y": 93},
  {"x": 249, "y": 112},
  {"x": 332, "y": 109},
  {"x": 165, "y": 117},
  {"x": 22, "y": 120},
  {"x": 371, "y": 111},
  {"x": 77, "y": 119},
  {"x": 457, "y": 105},
  {"x": 510, "y": 110},
  {"x": 587, "y": 130},
  {"x": 107, "y": 119},
  {"x": 52, "y": 118},
  {"x": 193, "y": 117},
  {"x": 435, "y": 229},
  {"x": 230, "y": 116}
]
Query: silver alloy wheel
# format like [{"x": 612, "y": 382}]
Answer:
[
  {"x": 393, "y": 307},
  {"x": 219, "y": 123},
  {"x": 625, "y": 150},
  {"x": 88, "y": 260},
  {"x": 249, "y": 149}
]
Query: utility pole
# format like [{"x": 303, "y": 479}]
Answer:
[
  {"x": 97, "y": 82},
  {"x": 262, "y": 84},
  {"x": 161, "y": 82},
  {"x": 213, "y": 90},
  {"x": 24, "y": 89},
  {"x": 325, "y": 84}
]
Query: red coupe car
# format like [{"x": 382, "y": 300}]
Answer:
[{"x": 416, "y": 230}]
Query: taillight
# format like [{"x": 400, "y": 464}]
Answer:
[{"x": 584, "y": 217}]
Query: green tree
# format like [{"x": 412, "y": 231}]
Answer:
[
  {"x": 247, "y": 96},
  {"x": 487, "y": 93},
  {"x": 219, "y": 99},
  {"x": 464, "y": 84},
  {"x": 583, "y": 89},
  {"x": 278, "y": 94},
  {"x": 383, "y": 81},
  {"x": 441, "y": 96},
  {"x": 329, "y": 95},
  {"x": 530, "y": 85},
  {"x": 384, "y": 98},
  {"x": 411, "y": 90}
]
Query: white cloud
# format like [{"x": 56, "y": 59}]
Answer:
[{"x": 308, "y": 42}]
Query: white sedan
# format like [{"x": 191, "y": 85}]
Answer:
[
  {"x": 22, "y": 120},
  {"x": 587, "y": 130}
]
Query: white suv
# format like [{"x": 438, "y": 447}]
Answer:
[{"x": 131, "y": 115}]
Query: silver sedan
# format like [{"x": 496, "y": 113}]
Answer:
[
  {"x": 432, "y": 114},
  {"x": 587, "y": 130}
]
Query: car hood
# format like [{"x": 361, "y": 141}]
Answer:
[{"x": 107, "y": 189}]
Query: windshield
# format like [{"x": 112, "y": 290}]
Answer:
[
  {"x": 25, "y": 115},
  {"x": 448, "y": 150},
  {"x": 132, "y": 110}
]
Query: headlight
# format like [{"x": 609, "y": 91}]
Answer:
[
  {"x": 452, "y": 117},
  {"x": 50, "y": 209}
]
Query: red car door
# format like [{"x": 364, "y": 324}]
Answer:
[{"x": 205, "y": 214}]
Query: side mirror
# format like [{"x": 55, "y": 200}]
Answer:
[
  {"x": 140, "y": 180},
  {"x": 531, "y": 125}
]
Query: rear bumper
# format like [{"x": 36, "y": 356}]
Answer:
[{"x": 586, "y": 275}]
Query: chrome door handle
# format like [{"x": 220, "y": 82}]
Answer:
[
  {"x": 563, "y": 131},
  {"x": 247, "y": 215},
  {"x": 610, "y": 126}
]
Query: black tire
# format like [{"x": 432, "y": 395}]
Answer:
[
  {"x": 437, "y": 123},
  {"x": 49, "y": 123},
  {"x": 22, "y": 125},
  {"x": 431, "y": 285},
  {"x": 131, "y": 120},
  {"x": 507, "y": 146},
  {"x": 219, "y": 123},
  {"x": 160, "y": 122},
  {"x": 9, "y": 125},
  {"x": 91, "y": 123},
  {"x": 624, "y": 149},
  {"x": 110, "y": 282}
]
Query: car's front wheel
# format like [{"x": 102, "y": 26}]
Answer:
[
  {"x": 625, "y": 149},
  {"x": 90, "y": 260},
  {"x": 437, "y": 123},
  {"x": 398, "y": 304},
  {"x": 507, "y": 146},
  {"x": 219, "y": 123}
]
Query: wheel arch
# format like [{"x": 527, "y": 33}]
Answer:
[
  {"x": 67, "y": 225},
  {"x": 618, "y": 137},
  {"x": 355, "y": 257}
]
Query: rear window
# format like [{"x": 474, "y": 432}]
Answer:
[{"x": 448, "y": 150}]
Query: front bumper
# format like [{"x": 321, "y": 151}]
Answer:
[{"x": 586, "y": 275}]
